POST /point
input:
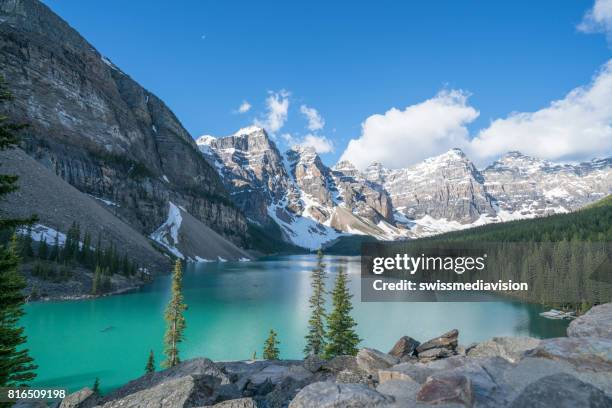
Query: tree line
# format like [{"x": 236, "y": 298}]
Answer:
[{"x": 54, "y": 261}]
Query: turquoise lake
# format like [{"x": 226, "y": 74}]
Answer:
[{"x": 232, "y": 306}]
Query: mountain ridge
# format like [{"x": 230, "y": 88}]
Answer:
[{"x": 442, "y": 193}]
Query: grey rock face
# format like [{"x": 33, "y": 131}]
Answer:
[
  {"x": 100, "y": 130},
  {"x": 561, "y": 391},
  {"x": 510, "y": 348},
  {"x": 597, "y": 322},
  {"x": 332, "y": 395},
  {"x": 440, "y": 347},
  {"x": 585, "y": 353},
  {"x": 371, "y": 360},
  {"x": 184, "y": 392}
]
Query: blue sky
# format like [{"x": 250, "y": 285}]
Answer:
[{"x": 347, "y": 60}]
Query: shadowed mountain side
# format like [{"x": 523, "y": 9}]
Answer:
[
  {"x": 196, "y": 239},
  {"x": 58, "y": 204}
]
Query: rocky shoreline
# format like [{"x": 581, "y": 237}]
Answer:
[{"x": 517, "y": 372}]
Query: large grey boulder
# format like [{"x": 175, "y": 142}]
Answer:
[
  {"x": 442, "y": 346},
  {"x": 371, "y": 360},
  {"x": 403, "y": 391},
  {"x": 195, "y": 367},
  {"x": 561, "y": 391},
  {"x": 585, "y": 353},
  {"x": 404, "y": 347},
  {"x": 340, "y": 363},
  {"x": 332, "y": 395},
  {"x": 406, "y": 372},
  {"x": 313, "y": 363},
  {"x": 597, "y": 322},
  {"x": 186, "y": 392},
  {"x": 84, "y": 398},
  {"x": 510, "y": 348}
]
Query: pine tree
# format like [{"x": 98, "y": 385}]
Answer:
[
  {"x": 175, "y": 321},
  {"x": 150, "y": 368},
  {"x": 315, "y": 339},
  {"x": 271, "y": 351},
  {"x": 16, "y": 366},
  {"x": 341, "y": 336},
  {"x": 96, "y": 385},
  {"x": 26, "y": 250}
]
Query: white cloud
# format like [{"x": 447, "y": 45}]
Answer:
[
  {"x": 577, "y": 127},
  {"x": 315, "y": 120},
  {"x": 277, "y": 104},
  {"x": 399, "y": 138},
  {"x": 244, "y": 107},
  {"x": 598, "y": 19},
  {"x": 321, "y": 144}
]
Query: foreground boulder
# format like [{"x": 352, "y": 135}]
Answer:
[
  {"x": 585, "y": 353},
  {"x": 185, "y": 392},
  {"x": 84, "y": 398},
  {"x": 597, "y": 322},
  {"x": 561, "y": 391},
  {"x": 332, "y": 395},
  {"x": 439, "y": 347},
  {"x": 195, "y": 367},
  {"x": 236, "y": 403},
  {"x": 510, "y": 348},
  {"x": 451, "y": 388},
  {"x": 372, "y": 360},
  {"x": 404, "y": 348}
]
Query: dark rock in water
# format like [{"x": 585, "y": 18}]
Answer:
[
  {"x": 447, "y": 389},
  {"x": 585, "y": 353},
  {"x": 331, "y": 395},
  {"x": 597, "y": 322},
  {"x": 371, "y": 360},
  {"x": 404, "y": 347},
  {"x": 561, "y": 391},
  {"x": 448, "y": 340},
  {"x": 84, "y": 398}
]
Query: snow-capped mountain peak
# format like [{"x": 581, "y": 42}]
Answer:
[{"x": 314, "y": 204}]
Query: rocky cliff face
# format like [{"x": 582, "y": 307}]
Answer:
[{"x": 100, "y": 130}]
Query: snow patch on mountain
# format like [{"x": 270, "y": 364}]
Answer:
[{"x": 167, "y": 235}]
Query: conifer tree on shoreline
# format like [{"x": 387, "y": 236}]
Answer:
[
  {"x": 271, "y": 351},
  {"x": 341, "y": 336},
  {"x": 150, "y": 367},
  {"x": 175, "y": 321},
  {"x": 315, "y": 339}
]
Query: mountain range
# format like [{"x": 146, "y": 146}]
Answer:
[
  {"x": 314, "y": 204},
  {"x": 104, "y": 143}
]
